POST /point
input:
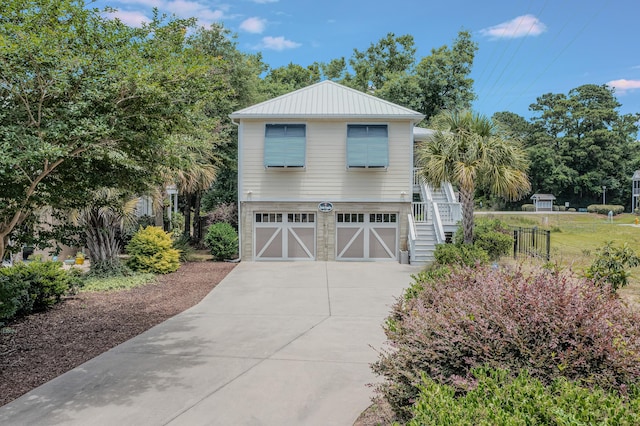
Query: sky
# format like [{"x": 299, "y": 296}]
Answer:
[{"x": 526, "y": 48}]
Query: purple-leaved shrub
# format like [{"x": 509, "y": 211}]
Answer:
[{"x": 552, "y": 325}]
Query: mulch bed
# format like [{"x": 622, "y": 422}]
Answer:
[{"x": 42, "y": 346}]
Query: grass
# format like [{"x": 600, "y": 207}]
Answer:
[
  {"x": 117, "y": 283},
  {"x": 575, "y": 238}
]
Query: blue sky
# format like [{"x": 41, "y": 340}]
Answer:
[{"x": 526, "y": 48}]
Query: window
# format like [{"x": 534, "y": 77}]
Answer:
[
  {"x": 367, "y": 146},
  {"x": 284, "y": 145}
]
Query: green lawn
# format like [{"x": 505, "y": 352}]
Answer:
[{"x": 575, "y": 237}]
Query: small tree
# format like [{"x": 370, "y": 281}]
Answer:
[{"x": 611, "y": 265}]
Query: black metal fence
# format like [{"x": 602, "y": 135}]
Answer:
[{"x": 531, "y": 242}]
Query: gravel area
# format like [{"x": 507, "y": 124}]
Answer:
[{"x": 40, "y": 347}]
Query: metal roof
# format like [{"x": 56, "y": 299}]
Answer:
[
  {"x": 327, "y": 100},
  {"x": 543, "y": 197}
]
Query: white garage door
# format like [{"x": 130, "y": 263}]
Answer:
[
  {"x": 284, "y": 236},
  {"x": 366, "y": 236}
]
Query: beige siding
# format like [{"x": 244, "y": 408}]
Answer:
[{"x": 325, "y": 176}]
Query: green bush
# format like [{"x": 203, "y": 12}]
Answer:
[
  {"x": 491, "y": 235},
  {"x": 222, "y": 240},
  {"x": 528, "y": 208},
  {"x": 14, "y": 296},
  {"x": 151, "y": 250},
  {"x": 499, "y": 399},
  {"x": 463, "y": 254},
  {"x": 605, "y": 209},
  {"x": 550, "y": 324},
  {"x": 33, "y": 286},
  {"x": 611, "y": 265}
]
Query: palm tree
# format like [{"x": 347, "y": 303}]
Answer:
[
  {"x": 468, "y": 150},
  {"x": 103, "y": 219},
  {"x": 194, "y": 170}
]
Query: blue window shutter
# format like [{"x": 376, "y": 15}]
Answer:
[
  {"x": 367, "y": 146},
  {"x": 284, "y": 145}
]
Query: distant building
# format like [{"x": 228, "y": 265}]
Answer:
[{"x": 543, "y": 202}]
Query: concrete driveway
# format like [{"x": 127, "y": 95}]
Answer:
[{"x": 273, "y": 344}]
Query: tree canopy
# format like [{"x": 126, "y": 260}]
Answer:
[
  {"x": 89, "y": 102},
  {"x": 577, "y": 143}
]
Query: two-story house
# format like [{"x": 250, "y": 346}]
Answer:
[{"x": 325, "y": 173}]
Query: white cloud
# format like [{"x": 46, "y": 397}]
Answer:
[
  {"x": 521, "y": 26},
  {"x": 185, "y": 8},
  {"x": 278, "y": 43},
  {"x": 265, "y": 1},
  {"x": 131, "y": 18},
  {"x": 624, "y": 86},
  {"x": 253, "y": 25}
]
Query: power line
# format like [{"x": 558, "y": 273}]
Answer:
[{"x": 584, "y": 27}]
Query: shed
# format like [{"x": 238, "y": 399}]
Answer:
[{"x": 543, "y": 202}]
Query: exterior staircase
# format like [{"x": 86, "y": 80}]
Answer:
[{"x": 436, "y": 212}]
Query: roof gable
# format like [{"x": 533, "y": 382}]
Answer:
[{"x": 327, "y": 100}]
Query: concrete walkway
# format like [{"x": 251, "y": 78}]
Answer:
[{"x": 272, "y": 344}]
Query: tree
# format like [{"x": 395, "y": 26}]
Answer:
[
  {"x": 468, "y": 150},
  {"x": 389, "y": 69},
  {"x": 88, "y": 102},
  {"x": 279, "y": 81},
  {"x": 578, "y": 143}
]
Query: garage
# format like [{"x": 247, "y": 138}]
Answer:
[
  {"x": 284, "y": 236},
  {"x": 366, "y": 236}
]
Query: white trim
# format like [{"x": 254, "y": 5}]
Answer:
[{"x": 240, "y": 187}]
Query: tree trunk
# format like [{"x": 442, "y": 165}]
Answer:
[
  {"x": 467, "y": 199},
  {"x": 188, "y": 200},
  {"x": 197, "y": 232}
]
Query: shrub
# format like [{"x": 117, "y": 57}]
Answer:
[
  {"x": 528, "y": 208},
  {"x": 605, "y": 209},
  {"x": 150, "y": 250},
  {"x": 551, "y": 324},
  {"x": 611, "y": 264},
  {"x": 499, "y": 399},
  {"x": 14, "y": 296},
  {"x": 463, "y": 254},
  {"x": 491, "y": 235},
  {"x": 571, "y": 209},
  {"x": 222, "y": 240},
  {"x": 33, "y": 286}
]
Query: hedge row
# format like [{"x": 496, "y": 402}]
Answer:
[
  {"x": 605, "y": 208},
  {"x": 499, "y": 399}
]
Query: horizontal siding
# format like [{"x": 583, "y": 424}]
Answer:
[{"x": 325, "y": 176}]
